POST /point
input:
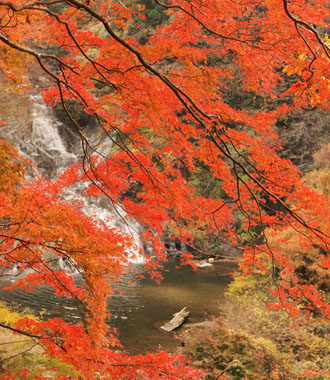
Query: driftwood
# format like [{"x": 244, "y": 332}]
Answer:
[{"x": 176, "y": 321}]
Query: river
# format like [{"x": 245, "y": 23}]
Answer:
[{"x": 144, "y": 306}]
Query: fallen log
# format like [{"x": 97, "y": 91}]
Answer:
[{"x": 176, "y": 321}]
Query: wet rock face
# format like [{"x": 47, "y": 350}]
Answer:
[{"x": 175, "y": 245}]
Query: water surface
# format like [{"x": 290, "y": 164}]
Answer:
[{"x": 143, "y": 307}]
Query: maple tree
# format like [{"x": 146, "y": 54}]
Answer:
[{"x": 162, "y": 105}]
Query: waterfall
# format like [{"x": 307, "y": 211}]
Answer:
[
  {"x": 44, "y": 128},
  {"x": 53, "y": 147}
]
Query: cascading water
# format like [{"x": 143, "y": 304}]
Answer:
[
  {"x": 48, "y": 144},
  {"x": 53, "y": 152}
]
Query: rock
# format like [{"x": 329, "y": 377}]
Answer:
[
  {"x": 202, "y": 263},
  {"x": 176, "y": 321}
]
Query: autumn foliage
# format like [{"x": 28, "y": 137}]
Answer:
[{"x": 163, "y": 103}]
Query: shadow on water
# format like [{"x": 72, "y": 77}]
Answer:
[{"x": 138, "y": 313}]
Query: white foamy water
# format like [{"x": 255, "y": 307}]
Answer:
[
  {"x": 54, "y": 147},
  {"x": 44, "y": 129}
]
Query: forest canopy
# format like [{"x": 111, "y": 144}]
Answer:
[{"x": 187, "y": 93}]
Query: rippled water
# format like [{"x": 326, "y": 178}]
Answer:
[{"x": 144, "y": 307}]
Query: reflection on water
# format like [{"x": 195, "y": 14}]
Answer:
[{"x": 142, "y": 307}]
